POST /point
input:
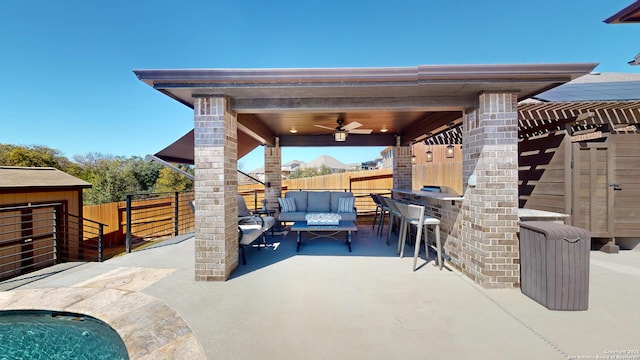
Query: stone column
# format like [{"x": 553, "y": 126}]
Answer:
[
  {"x": 402, "y": 168},
  {"x": 273, "y": 175},
  {"x": 489, "y": 243},
  {"x": 216, "y": 182}
]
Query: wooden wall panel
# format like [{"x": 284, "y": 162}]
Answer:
[
  {"x": 548, "y": 192},
  {"x": 626, "y": 206}
]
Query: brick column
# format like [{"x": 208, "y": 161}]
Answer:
[
  {"x": 402, "y": 167},
  {"x": 489, "y": 251},
  {"x": 273, "y": 175},
  {"x": 216, "y": 221}
]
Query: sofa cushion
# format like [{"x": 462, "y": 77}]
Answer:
[
  {"x": 335, "y": 196},
  {"x": 287, "y": 205},
  {"x": 242, "y": 207},
  {"x": 319, "y": 201},
  {"x": 345, "y": 204},
  {"x": 348, "y": 216},
  {"x": 293, "y": 216},
  {"x": 300, "y": 198}
]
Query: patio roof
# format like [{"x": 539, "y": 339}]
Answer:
[
  {"x": 409, "y": 102},
  {"x": 630, "y": 14}
]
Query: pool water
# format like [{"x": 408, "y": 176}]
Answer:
[{"x": 53, "y": 335}]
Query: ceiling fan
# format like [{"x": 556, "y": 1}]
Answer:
[{"x": 340, "y": 131}]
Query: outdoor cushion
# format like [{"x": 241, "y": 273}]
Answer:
[
  {"x": 300, "y": 199},
  {"x": 345, "y": 204},
  {"x": 293, "y": 216},
  {"x": 242, "y": 207},
  {"x": 319, "y": 201},
  {"x": 287, "y": 204},
  {"x": 335, "y": 197}
]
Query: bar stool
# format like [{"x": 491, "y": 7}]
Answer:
[
  {"x": 414, "y": 215},
  {"x": 379, "y": 207},
  {"x": 394, "y": 213},
  {"x": 384, "y": 212}
]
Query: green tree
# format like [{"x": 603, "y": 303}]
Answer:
[
  {"x": 310, "y": 172},
  {"x": 32, "y": 156},
  {"x": 170, "y": 180},
  {"x": 112, "y": 180}
]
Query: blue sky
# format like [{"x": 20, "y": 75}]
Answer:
[{"x": 66, "y": 78}]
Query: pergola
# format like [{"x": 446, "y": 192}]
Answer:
[{"x": 236, "y": 110}]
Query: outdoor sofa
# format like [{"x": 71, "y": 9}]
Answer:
[{"x": 297, "y": 204}]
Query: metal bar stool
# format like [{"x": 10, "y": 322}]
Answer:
[
  {"x": 394, "y": 213},
  {"x": 377, "y": 201},
  {"x": 414, "y": 215}
]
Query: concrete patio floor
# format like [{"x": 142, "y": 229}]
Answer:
[{"x": 327, "y": 303}]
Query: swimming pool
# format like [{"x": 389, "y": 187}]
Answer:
[{"x": 39, "y": 334}]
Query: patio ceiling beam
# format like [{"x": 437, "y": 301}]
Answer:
[
  {"x": 252, "y": 126},
  {"x": 438, "y": 103},
  {"x": 327, "y": 140},
  {"x": 429, "y": 124}
]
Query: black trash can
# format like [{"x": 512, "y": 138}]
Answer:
[{"x": 554, "y": 264}]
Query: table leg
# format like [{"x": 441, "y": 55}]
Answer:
[
  {"x": 298, "y": 240},
  {"x": 349, "y": 240}
]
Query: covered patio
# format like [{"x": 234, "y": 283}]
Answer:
[
  {"x": 328, "y": 303},
  {"x": 236, "y": 110}
]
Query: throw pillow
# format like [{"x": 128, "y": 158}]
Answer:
[
  {"x": 287, "y": 204},
  {"x": 345, "y": 204}
]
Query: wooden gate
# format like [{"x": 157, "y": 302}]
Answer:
[{"x": 593, "y": 186}]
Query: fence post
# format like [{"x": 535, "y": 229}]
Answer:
[
  {"x": 175, "y": 214},
  {"x": 128, "y": 238},
  {"x": 55, "y": 235},
  {"x": 255, "y": 199},
  {"x": 100, "y": 232}
]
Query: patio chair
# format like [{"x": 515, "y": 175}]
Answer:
[
  {"x": 247, "y": 220},
  {"x": 245, "y": 238},
  {"x": 394, "y": 213},
  {"x": 379, "y": 207},
  {"x": 414, "y": 215}
]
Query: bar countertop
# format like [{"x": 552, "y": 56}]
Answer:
[{"x": 430, "y": 194}]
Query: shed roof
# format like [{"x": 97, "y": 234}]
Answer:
[{"x": 38, "y": 177}]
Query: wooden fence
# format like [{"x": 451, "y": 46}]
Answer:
[
  {"x": 151, "y": 218},
  {"x": 364, "y": 182}
]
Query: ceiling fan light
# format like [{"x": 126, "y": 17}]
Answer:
[
  {"x": 293, "y": 130},
  {"x": 384, "y": 129},
  {"x": 340, "y": 135}
]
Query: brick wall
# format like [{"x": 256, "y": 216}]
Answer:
[
  {"x": 402, "y": 167},
  {"x": 216, "y": 181},
  {"x": 488, "y": 247},
  {"x": 273, "y": 175}
]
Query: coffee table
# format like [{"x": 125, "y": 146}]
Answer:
[{"x": 324, "y": 231}]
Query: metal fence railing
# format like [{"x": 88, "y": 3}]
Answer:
[
  {"x": 157, "y": 216},
  {"x": 36, "y": 236}
]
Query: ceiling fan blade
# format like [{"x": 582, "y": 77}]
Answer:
[
  {"x": 352, "y": 125},
  {"x": 360, "y": 131},
  {"x": 324, "y": 127}
]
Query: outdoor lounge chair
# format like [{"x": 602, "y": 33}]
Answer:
[
  {"x": 247, "y": 220},
  {"x": 251, "y": 227}
]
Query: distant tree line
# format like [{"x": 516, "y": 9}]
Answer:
[
  {"x": 310, "y": 172},
  {"x": 111, "y": 177}
]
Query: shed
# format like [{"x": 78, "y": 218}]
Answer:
[
  {"x": 25, "y": 216},
  {"x": 579, "y": 154}
]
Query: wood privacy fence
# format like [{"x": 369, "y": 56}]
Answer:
[
  {"x": 165, "y": 215},
  {"x": 364, "y": 182},
  {"x": 152, "y": 217}
]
